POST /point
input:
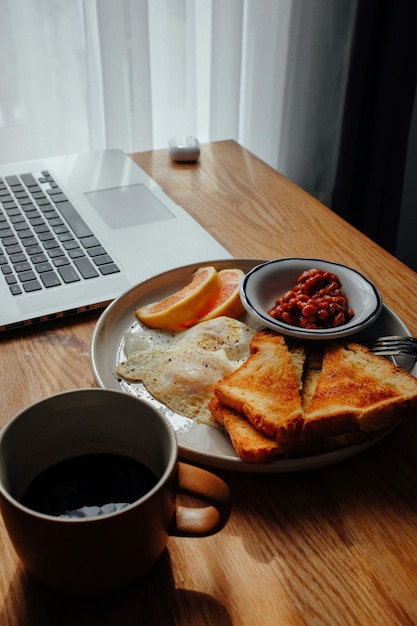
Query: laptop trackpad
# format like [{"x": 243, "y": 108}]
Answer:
[{"x": 131, "y": 205}]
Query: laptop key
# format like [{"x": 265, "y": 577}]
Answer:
[
  {"x": 59, "y": 198},
  {"x": 43, "y": 267},
  {"x": 17, "y": 219},
  {"x": 54, "y": 220},
  {"x": 6, "y": 232},
  {"x": 36, "y": 249},
  {"x": 53, "y": 217},
  {"x": 23, "y": 266},
  {"x": 61, "y": 261},
  {"x": 20, "y": 226},
  {"x": 13, "y": 211},
  {"x": 12, "y": 180},
  {"x": 38, "y": 258},
  {"x": 60, "y": 228},
  {"x": 26, "y": 236},
  {"x": 85, "y": 267},
  {"x": 90, "y": 242},
  {"x": 36, "y": 220},
  {"x": 68, "y": 274},
  {"x": 9, "y": 205},
  {"x": 28, "y": 179},
  {"x": 109, "y": 269},
  {"x": 32, "y": 285},
  {"x": 28, "y": 241},
  {"x": 75, "y": 220},
  {"x": 76, "y": 253},
  {"x": 19, "y": 257},
  {"x": 5, "y": 197},
  {"x": 27, "y": 276},
  {"x": 25, "y": 202},
  {"x": 15, "y": 290},
  {"x": 51, "y": 244},
  {"x": 71, "y": 245},
  {"x": 66, "y": 236},
  {"x": 105, "y": 259},
  {"x": 41, "y": 228},
  {"x": 96, "y": 251},
  {"x": 9, "y": 241},
  {"x": 14, "y": 249},
  {"x": 29, "y": 206},
  {"x": 33, "y": 213},
  {"x": 47, "y": 235},
  {"x": 50, "y": 279},
  {"x": 43, "y": 202},
  {"x": 56, "y": 252}
]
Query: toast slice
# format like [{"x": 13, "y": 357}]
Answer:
[
  {"x": 251, "y": 445},
  {"x": 355, "y": 390},
  {"x": 266, "y": 388},
  {"x": 331, "y": 396}
]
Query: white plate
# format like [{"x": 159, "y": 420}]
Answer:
[{"x": 199, "y": 443}]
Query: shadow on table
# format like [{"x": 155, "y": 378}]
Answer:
[
  {"x": 283, "y": 510},
  {"x": 153, "y": 602}
]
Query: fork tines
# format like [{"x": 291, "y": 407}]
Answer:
[{"x": 392, "y": 345}]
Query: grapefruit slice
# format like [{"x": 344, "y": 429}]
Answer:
[
  {"x": 187, "y": 303},
  {"x": 228, "y": 300}
]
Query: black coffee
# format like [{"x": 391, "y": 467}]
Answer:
[{"x": 88, "y": 485}]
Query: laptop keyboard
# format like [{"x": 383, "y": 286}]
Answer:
[{"x": 44, "y": 242}]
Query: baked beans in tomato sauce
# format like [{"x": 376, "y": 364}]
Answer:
[{"x": 316, "y": 301}]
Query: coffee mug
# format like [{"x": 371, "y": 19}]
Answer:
[{"x": 88, "y": 486}]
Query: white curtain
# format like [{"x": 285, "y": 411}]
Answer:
[{"x": 80, "y": 75}]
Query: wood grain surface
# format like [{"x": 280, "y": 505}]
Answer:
[{"x": 332, "y": 546}]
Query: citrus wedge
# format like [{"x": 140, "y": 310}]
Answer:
[
  {"x": 228, "y": 300},
  {"x": 187, "y": 303}
]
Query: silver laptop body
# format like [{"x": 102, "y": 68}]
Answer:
[{"x": 106, "y": 226}]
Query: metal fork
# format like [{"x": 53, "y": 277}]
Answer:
[{"x": 392, "y": 345}]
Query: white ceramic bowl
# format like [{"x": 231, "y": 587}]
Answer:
[{"x": 265, "y": 283}]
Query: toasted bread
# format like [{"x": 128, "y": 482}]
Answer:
[
  {"x": 250, "y": 444},
  {"x": 356, "y": 390},
  {"x": 332, "y": 397},
  {"x": 266, "y": 388}
]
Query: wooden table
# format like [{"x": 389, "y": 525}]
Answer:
[{"x": 332, "y": 546}]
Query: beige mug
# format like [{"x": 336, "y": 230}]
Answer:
[{"x": 83, "y": 544}]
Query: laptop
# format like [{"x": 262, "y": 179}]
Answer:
[{"x": 77, "y": 231}]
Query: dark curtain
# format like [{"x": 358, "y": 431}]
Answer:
[{"x": 377, "y": 115}]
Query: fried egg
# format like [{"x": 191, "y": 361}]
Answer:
[{"x": 180, "y": 369}]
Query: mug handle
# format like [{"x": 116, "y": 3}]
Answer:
[{"x": 203, "y": 521}]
